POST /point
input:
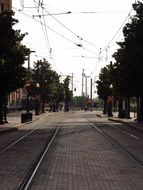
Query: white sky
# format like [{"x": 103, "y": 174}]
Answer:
[{"x": 96, "y": 22}]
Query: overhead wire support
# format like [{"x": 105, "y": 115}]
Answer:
[
  {"x": 47, "y": 27},
  {"x": 49, "y": 14},
  {"x": 54, "y": 14},
  {"x": 108, "y": 45},
  {"x": 24, "y": 7}
]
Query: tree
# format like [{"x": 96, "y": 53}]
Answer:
[
  {"x": 106, "y": 78},
  {"x": 12, "y": 57},
  {"x": 129, "y": 59},
  {"x": 67, "y": 93},
  {"x": 50, "y": 89}
]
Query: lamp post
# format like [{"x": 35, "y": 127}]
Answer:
[
  {"x": 91, "y": 94},
  {"x": 110, "y": 99},
  {"x": 37, "y": 99},
  {"x": 28, "y": 85}
]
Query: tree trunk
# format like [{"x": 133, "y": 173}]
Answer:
[
  {"x": 105, "y": 107},
  {"x": 1, "y": 110},
  {"x": 66, "y": 107},
  {"x": 140, "y": 109},
  {"x": 127, "y": 108},
  {"x": 5, "y": 110},
  {"x": 43, "y": 105},
  {"x": 120, "y": 108}
]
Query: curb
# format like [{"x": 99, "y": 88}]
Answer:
[
  {"x": 123, "y": 122},
  {"x": 126, "y": 123},
  {"x": 15, "y": 128}
]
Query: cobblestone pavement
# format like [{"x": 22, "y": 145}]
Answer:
[{"x": 83, "y": 159}]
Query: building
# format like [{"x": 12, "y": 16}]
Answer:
[{"x": 5, "y": 5}]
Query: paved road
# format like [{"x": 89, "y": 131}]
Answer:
[{"x": 81, "y": 157}]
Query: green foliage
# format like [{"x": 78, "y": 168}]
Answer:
[
  {"x": 106, "y": 78},
  {"x": 129, "y": 56},
  {"x": 51, "y": 89},
  {"x": 12, "y": 55},
  {"x": 127, "y": 73},
  {"x": 67, "y": 91}
]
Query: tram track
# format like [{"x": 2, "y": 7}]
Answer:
[
  {"x": 19, "y": 134},
  {"x": 112, "y": 139},
  {"x": 80, "y": 138},
  {"x": 33, "y": 170},
  {"x": 71, "y": 147},
  {"x": 124, "y": 129},
  {"x": 17, "y": 141},
  {"x": 125, "y": 150},
  {"x": 21, "y": 154},
  {"x": 77, "y": 149}
]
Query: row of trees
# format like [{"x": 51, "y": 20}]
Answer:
[
  {"x": 13, "y": 74},
  {"x": 126, "y": 74},
  {"x": 49, "y": 89}
]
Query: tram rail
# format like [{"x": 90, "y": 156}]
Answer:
[
  {"x": 121, "y": 146},
  {"x": 33, "y": 170}
]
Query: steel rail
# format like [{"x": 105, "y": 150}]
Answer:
[
  {"x": 122, "y": 148},
  {"x": 30, "y": 176},
  {"x": 15, "y": 142},
  {"x": 18, "y": 140}
]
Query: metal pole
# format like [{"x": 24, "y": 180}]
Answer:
[
  {"x": 85, "y": 86},
  {"x": 27, "y": 87},
  {"x": 82, "y": 82},
  {"x": 82, "y": 88},
  {"x": 72, "y": 83},
  {"x": 91, "y": 93}
]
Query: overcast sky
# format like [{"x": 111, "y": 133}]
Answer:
[{"x": 75, "y": 35}]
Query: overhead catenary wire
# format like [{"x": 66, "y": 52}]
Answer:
[
  {"x": 40, "y": 4},
  {"x": 43, "y": 25},
  {"x": 61, "y": 35},
  {"x": 44, "y": 28},
  {"x": 111, "y": 41},
  {"x": 119, "y": 29},
  {"x": 66, "y": 26},
  {"x": 108, "y": 45},
  {"x": 69, "y": 40},
  {"x": 80, "y": 38}
]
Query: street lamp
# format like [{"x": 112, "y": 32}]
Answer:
[
  {"x": 110, "y": 99},
  {"x": 37, "y": 99},
  {"x": 28, "y": 85},
  {"x": 111, "y": 86}
]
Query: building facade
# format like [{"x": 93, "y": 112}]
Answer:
[{"x": 5, "y": 5}]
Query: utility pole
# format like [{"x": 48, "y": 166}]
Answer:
[
  {"x": 72, "y": 82},
  {"x": 28, "y": 85},
  {"x": 82, "y": 94},
  {"x": 82, "y": 82},
  {"x": 91, "y": 93},
  {"x": 86, "y": 85}
]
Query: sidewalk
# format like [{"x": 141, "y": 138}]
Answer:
[
  {"x": 130, "y": 122},
  {"x": 14, "y": 119}
]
